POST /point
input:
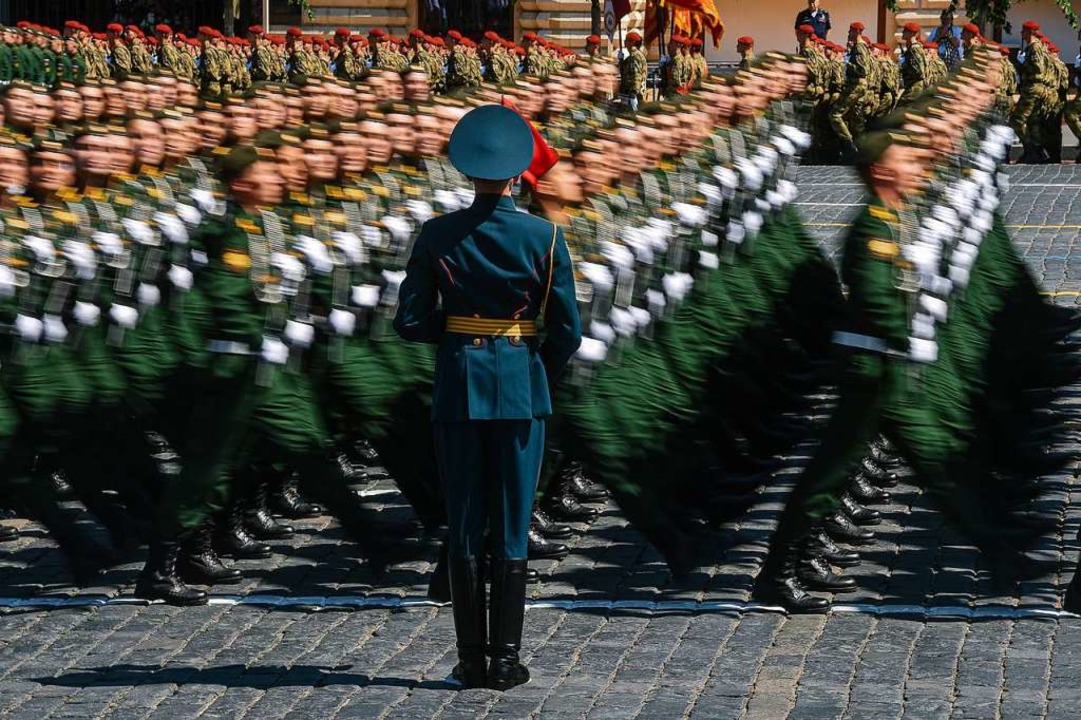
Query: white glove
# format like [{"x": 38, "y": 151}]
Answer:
[
  {"x": 139, "y": 231},
  {"x": 447, "y": 200},
  {"x": 298, "y": 334},
  {"x": 43, "y": 250},
  {"x": 172, "y": 227},
  {"x": 7, "y": 281},
  {"x": 188, "y": 214},
  {"x": 30, "y": 328},
  {"x": 676, "y": 285},
  {"x": 291, "y": 268},
  {"x": 726, "y": 177},
  {"x": 350, "y": 245},
  {"x": 82, "y": 257},
  {"x": 709, "y": 260},
  {"x": 274, "y": 351},
  {"x": 592, "y": 350},
  {"x": 366, "y": 295},
  {"x": 935, "y": 307},
  {"x": 124, "y": 315},
  {"x": 316, "y": 252},
  {"x": 181, "y": 277},
  {"x": 602, "y": 331},
  {"x": 421, "y": 210},
  {"x": 148, "y": 294},
  {"x": 343, "y": 321},
  {"x": 198, "y": 257},
  {"x": 598, "y": 274},
  {"x": 86, "y": 314},
  {"x": 55, "y": 329},
  {"x": 752, "y": 221},
  {"x": 784, "y": 146},
  {"x": 623, "y": 322},
  {"x": 619, "y": 255},
  {"x": 690, "y": 215},
  {"x": 109, "y": 243},
  {"x": 394, "y": 280},
  {"x": 204, "y": 199},
  {"x": 735, "y": 233},
  {"x": 922, "y": 351},
  {"x": 372, "y": 236},
  {"x": 398, "y": 227},
  {"x": 656, "y": 301},
  {"x": 465, "y": 197},
  {"x": 640, "y": 316}
]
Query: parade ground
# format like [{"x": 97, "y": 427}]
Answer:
[{"x": 315, "y": 633}]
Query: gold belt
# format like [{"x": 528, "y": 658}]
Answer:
[{"x": 462, "y": 325}]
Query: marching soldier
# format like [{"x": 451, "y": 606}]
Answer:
[
  {"x": 914, "y": 63},
  {"x": 845, "y": 115},
  {"x": 121, "y": 60},
  {"x": 633, "y": 71},
  {"x": 745, "y": 48},
  {"x": 1038, "y": 93}
]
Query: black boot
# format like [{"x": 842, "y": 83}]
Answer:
[
  {"x": 542, "y": 549},
  {"x": 564, "y": 506},
  {"x": 259, "y": 521},
  {"x": 505, "y": 618},
  {"x": 467, "y": 604},
  {"x": 439, "y": 582},
  {"x": 842, "y": 529},
  {"x": 548, "y": 527},
  {"x": 859, "y": 514},
  {"x": 816, "y": 574},
  {"x": 876, "y": 475},
  {"x": 778, "y": 584},
  {"x": 287, "y": 500},
  {"x": 159, "y": 579},
  {"x": 585, "y": 489},
  {"x": 822, "y": 545},
  {"x": 864, "y": 491},
  {"x": 233, "y": 539},
  {"x": 200, "y": 565}
]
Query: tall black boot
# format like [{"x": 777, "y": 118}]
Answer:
[
  {"x": 233, "y": 539},
  {"x": 287, "y": 500},
  {"x": 439, "y": 582},
  {"x": 199, "y": 564},
  {"x": 778, "y": 582},
  {"x": 159, "y": 579},
  {"x": 506, "y": 614},
  {"x": 467, "y": 602},
  {"x": 259, "y": 521}
]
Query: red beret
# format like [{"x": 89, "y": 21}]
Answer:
[
  {"x": 520, "y": 52},
  {"x": 294, "y": 32},
  {"x": 115, "y": 28},
  {"x": 393, "y": 39},
  {"x": 529, "y": 35},
  {"x": 805, "y": 28},
  {"x": 1004, "y": 50},
  {"x": 342, "y": 32},
  {"x": 152, "y": 40},
  {"x": 1052, "y": 47},
  {"x": 971, "y": 27},
  {"x": 493, "y": 36},
  {"x": 930, "y": 45},
  {"x": 204, "y": 30},
  {"x": 98, "y": 36},
  {"x": 913, "y": 27},
  {"x": 73, "y": 24},
  {"x": 256, "y": 30},
  {"x": 163, "y": 29},
  {"x": 633, "y": 36},
  {"x": 857, "y": 26},
  {"x": 437, "y": 41},
  {"x": 135, "y": 29},
  {"x": 593, "y": 40},
  {"x": 416, "y": 32},
  {"x": 454, "y": 34},
  {"x": 1030, "y": 25},
  {"x": 377, "y": 33},
  {"x": 697, "y": 42},
  {"x": 745, "y": 40},
  {"x": 468, "y": 42}
]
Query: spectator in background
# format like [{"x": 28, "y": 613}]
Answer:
[
  {"x": 948, "y": 37},
  {"x": 816, "y": 17}
]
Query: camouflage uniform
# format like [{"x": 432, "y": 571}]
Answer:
[{"x": 845, "y": 115}]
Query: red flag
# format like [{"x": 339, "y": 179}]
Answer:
[{"x": 544, "y": 157}]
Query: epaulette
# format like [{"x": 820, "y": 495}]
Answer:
[{"x": 883, "y": 214}]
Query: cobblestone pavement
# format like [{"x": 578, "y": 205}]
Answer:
[{"x": 313, "y": 634}]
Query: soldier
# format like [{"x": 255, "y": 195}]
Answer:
[
  {"x": 593, "y": 48},
  {"x": 490, "y": 145},
  {"x": 1053, "y": 130},
  {"x": 845, "y": 115},
  {"x": 141, "y": 61},
  {"x": 1038, "y": 93},
  {"x": 698, "y": 64},
  {"x": 633, "y": 71},
  {"x": 745, "y": 48},
  {"x": 914, "y": 63},
  {"x": 120, "y": 58}
]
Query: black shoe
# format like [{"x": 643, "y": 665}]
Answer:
[
  {"x": 468, "y": 607},
  {"x": 542, "y": 549},
  {"x": 842, "y": 529},
  {"x": 286, "y": 499},
  {"x": 260, "y": 523},
  {"x": 505, "y": 617},
  {"x": 876, "y": 475},
  {"x": 821, "y": 544},
  {"x": 790, "y": 594},
  {"x": 567, "y": 508},
  {"x": 816, "y": 574},
  {"x": 61, "y": 487},
  {"x": 7, "y": 534},
  {"x": 160, "y": 581},
  {"x": 232, "y": 538},
  {"x": 550, "y": 528},
  {"x": 881, "y": 458},
  {"x": 859, "y": 514},
  {"x": 585, "y": 489},
  {"x": 200, "y": 565},
  {"x": 864, "y": 491}
]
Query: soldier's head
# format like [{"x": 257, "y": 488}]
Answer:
[
  {"x": 430, "y": 140},
  {"x": 585, "y": 80},
  {"x": 44, "y": 109},
  {"x": 164, "y": 95},
  {"x": 121, "y": 149},
  {"x": 293, "y": 107},
  {"x": 596, "y": 170},
  {"x": 348, "y": 102},
  {"x": 93, "y": 100},
  {"x": 187, "y": 95},
  {"x": 377, "y": 139},
  {"x": 320, "y": 155},
  {"x": 212, "y": 125},
  {"x": 1029, "y": 29},
  {"x": 292, "y": 167},
  {"x": 970, "y": 35},
  {"x": 559, "y": 94},
  {"x": 562, "y": 185},
  {"x": 252, "y": 177},
  {"x": 115, "y": 105},
  {"x": 744, "y": 45},
  {"x": 240, "y": 120},
  {"x": 19, "y": 105},
  {"x": 415, "y": 85},
  {"x": 804, "y": 33},
  {"x": 135, "y": 95},
  {"x": 177, "y": 136},
  {"x": 293, "y": 37},
  {"x": 812, "y": 5},
  {"x": 349, "y": 146},
  {"x": 910, "y": 33},
  {"x": 256, "y": 35},
  {"x": 402, "y": 131},
  {"x": 69, "y": 104},
  {"x": 892, "y": 165},
  {"x": 148, "y": 139},
  {"x": 606, "y": 77},
  {"x": 14, "y": 166},
  {"x": 51, "y": 167},
  {"x": 316, "y": 101},
  {"x": 855, "y": 30},
  {"x": 670, "y": 131},
  {"x": 269, "y": 110},
  {"x": 633, "y": 40}
]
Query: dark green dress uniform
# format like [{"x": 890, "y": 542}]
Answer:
[{"x": 478, "y": 282}]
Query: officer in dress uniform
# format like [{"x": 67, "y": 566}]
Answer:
[
  {"x": 499, "y": 274},
  {"x": 816, "y": 17}
]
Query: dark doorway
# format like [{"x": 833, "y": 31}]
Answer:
[{"x": 470, "y": 17}]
